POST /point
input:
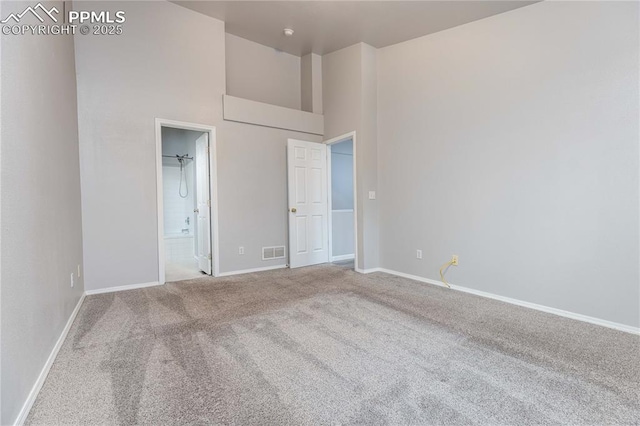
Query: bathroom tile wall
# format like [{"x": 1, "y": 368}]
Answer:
[
  {"x": 179, "y": 249},
  {"x": 178, "y": 210}
]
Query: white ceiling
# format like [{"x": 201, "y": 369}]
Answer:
[{"x": 325, "y": 26}]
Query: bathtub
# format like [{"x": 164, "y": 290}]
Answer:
[
  {"x": 179, "y": 247},
  {"x": 171, "y": 235}
]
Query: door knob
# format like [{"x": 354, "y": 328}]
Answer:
[{"x": 293, "y": 210}]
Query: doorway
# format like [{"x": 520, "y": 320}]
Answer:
[
  {"x": 341, "y": 203},
  {"x": 343, "y": 219},
  {"x": 187, "y": 200},
  {"x": 322, "y": 202}
]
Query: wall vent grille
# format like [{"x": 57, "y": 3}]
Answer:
[{"x": 277, "y": 252}]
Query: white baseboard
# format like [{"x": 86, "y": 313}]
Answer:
[
  {"x": 560, "y": 312},
  {"x": 368, "y": 271},
  {"x": 24, "y": 412},
  {"x": 249, "y": 271},
  {"x": 343, "y": 257},
  {"x": 121, "y": 288}
]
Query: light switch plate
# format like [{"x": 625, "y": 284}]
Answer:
[{"x": 372, "y": 195}]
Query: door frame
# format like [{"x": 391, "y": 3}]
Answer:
[
  {"x": 213, "y": 190},
  {"x": 333, "y": 141}
]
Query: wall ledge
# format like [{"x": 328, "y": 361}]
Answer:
[{"x": 267, "y": 115}]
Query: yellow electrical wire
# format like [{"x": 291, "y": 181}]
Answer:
[{"x": 446, "y": 265}]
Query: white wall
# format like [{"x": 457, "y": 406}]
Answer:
[
  {"x": 124, "y": 82},
  {"x": 311, "y": 83},
  {"x": 349, "y": 88},
  {"x": 514, "y": 140},
  {"x": 178, "y": 73},
  {"x": 342, "y": 235},
  {"x": 262, "y": 73},
  {"x": 41, "y": 216},
  {"x": 253, "y": 193}
]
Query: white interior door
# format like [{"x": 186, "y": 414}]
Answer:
[
  {"x": 308, "y": 211},
  {"x": 203, "y": 202}
]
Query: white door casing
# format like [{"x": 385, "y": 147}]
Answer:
[
  {"x": 213, "y": 191},
  {"x": 308, "y": 203},
  {"x": 203, "y": 202}
]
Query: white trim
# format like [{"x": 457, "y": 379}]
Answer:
[
  {"x": 333, "y": 141},
  {"x": 249, "y": 271},
  {"x": 31, "y": 399},
  {"x": 547, "y": 309},
  {"x": 122, "y": 288},
  {"x": 160, "y": 202},
  {"x": 329, "y": 205},
  {"x": 342, "y": 211},
  {"x": 213, "y": 189},
  {"x": 343, "y": 257},
  {"x": 367, "y": 271},
  {"x": 213, "y": 174}
]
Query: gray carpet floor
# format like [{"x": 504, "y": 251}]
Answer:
[{"x": 324, "y": 345}]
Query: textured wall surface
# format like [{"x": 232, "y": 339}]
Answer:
[
  {"x": 41, "y": 216},
  {"x": 124, "y": 83},
  {"x": 513, "y": 142},
  {"x": 262, "y": 73},
  {"x": 349, "y": 90}
]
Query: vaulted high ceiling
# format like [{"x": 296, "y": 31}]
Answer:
[{"x": 325, "y": 26}]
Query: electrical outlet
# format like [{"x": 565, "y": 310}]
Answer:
[
  {"x": 72, "y": 280},
  {"x": 454, "y": 260},
  {"x": 372, "y": 195},
  {"x": 241, "y": 250},
  {"x": 79, "y": 271},
  {"x": 418, "y": 254}
]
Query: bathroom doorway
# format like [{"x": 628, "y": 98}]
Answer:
[{"x": 186, "y": 201}]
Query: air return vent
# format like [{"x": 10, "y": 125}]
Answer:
[{"x": 269, "y": 253}]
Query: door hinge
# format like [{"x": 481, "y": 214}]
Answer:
[
  {"x": 209, "y": 203},
  {"x": 209, "y": 256}
]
